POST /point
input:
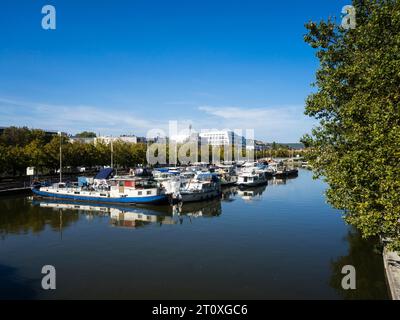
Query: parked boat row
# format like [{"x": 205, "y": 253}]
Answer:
[{"x": 175, "y": 184}]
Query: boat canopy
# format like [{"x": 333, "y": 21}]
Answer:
[
  {"x": 104, "y": 173},
  {"x": 207, "y": 176}
]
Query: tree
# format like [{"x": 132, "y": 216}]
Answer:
[
  {"x": 18, "y": 160},
  {"x": 102, "y": 154},
  {"x": 356, "y": 146},
  {"x": 86, "y": 134},
  {"x": 52, "y": 152},
  {"x": 34, "y": 152}
]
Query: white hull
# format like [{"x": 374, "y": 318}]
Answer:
[{"x": 252, "y": 179}]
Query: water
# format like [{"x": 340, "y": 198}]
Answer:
[{"x": 281, "y": 241}]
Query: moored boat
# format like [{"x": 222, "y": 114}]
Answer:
[
  {"x": 251, "y": 178},
  {"x": 203, "y": 186},
  {"x": 227, "y": 175},
  {"x": 281, "y": 171},
  {"x": 127, "y": 190}
]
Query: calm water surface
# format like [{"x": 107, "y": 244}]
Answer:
[{"x": 281, "y": 241}]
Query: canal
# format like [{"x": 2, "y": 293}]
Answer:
[{"x": 281, "y": 241}]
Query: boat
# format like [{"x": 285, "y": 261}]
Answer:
[
  {"x": 281, "y": 171},
  {"x": 268, "y": 172},
  {"x": 203, "y": 186},
  {"x": 168, "y": 180},
  {"x": 227, "y": 175},
  {"x": 124, "y": 189},
  {"x": 251, "y": 178}
]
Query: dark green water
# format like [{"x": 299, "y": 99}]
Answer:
[{"x": 281, "y": 241}]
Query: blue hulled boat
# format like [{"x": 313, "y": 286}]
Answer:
[{"x": 124, "y": 190}]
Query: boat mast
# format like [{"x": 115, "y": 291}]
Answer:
[{"x": 60, "y": 133}]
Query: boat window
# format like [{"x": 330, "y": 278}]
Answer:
[
  {"x": 139, "y": 193},
  {"x": 148, "y": 192}
]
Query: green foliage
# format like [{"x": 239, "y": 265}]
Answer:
[
  {"x": 21, "y": 217},
  {"x": 14, "y": 136},
  {"x": 86, "y": 134},
  {"x": 356, "y": 146},
  {"x": 22, "y": 147}
]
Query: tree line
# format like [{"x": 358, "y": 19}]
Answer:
[{"x": 22, "y": 147}]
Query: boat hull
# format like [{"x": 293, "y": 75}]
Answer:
[
  {"x": 125, "y": 200},
  {"x": 286, "y": 174},
  {"x": 252, "y": 184},
  {"x": 198, "y": 196}
]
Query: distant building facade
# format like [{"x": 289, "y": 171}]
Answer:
[
  {"x": 223, "y": 138},
  {"x": 81, "y": 140},
  {"x": 109, "y": 139}
]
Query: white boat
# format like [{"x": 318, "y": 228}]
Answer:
[
  {"x": 203, "y": 186},
  {"x": 169, "y": 181},
  {"x": 251, "y": 178}
]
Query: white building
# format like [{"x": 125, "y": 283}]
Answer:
[
  {"x": 223, "y": 138},
  {"x": 180, "y": 138},
  {"x": 82, "y": 140},
  {"x": 192, "y": 137},
  {"x": 108, "y": 139}
]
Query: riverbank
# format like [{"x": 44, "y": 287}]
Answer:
[{"x": 391, "y": 261}]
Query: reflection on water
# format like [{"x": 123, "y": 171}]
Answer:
[
  {"x": 369, "y": 281},
  {"x": 20, "y": 216},
  {"x": 132, "y": 216},
  {"x": 280, "y": 241},
  {"x": 252, "y": 194},
  {"x": 229, "y": 193},
  {"x": 13, "y": 286}
]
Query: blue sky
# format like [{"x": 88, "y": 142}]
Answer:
[{"x": 125, "y": 67}]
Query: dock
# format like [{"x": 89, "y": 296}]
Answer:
[{"x": 12, "y": 191}]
